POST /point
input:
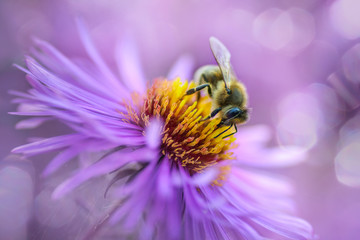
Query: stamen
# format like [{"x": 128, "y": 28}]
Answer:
[{"x": 186, "y": 140}]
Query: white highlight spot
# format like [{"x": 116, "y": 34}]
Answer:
[
  {"x": 273, "y": 29},
  {"x": 344, "y": 15},
  {"x": 347, "y": 163},
  {"x": 299, "y": 121},
  {"x": 290, "y": 30},
  {"x": 298, "y": 129}
]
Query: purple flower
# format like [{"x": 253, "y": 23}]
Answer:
[{"x": 170, "y": 177}]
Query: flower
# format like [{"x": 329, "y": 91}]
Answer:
[{"x": 172, "y": 178}]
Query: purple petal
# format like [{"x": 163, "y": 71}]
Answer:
[
  {"x": 49, "y": 144},
  {"x": 257, "y": 134},
  {"x": 206, "y": 177},
  {"x": 153, "y": 133},
  {"x": 60, "y": 160},
  {"x": 261, "y": 181},
  {"x": 140, "y": 191},
  {"x": 290, "y": 227},
  {"x": 86, "y": 80},
  {"x": 273, "y": 157},
  {"x": 62, "y": 88},
  {"x": 104, "y": 166},
  {"x": 129, "y": 66},
  {"x": 95, "y": 56},
  {"x": 164, "y": 185},
  {"x": 31, "y": 122},
  {"x": 183, "y": 68}
]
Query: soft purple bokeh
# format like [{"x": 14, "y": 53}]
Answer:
[{"x": 286, "y": 52}]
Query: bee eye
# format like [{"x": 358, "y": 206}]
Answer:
[{"x": 232, "y": 113}]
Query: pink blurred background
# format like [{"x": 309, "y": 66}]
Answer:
[{"x": 300, "y": 61}]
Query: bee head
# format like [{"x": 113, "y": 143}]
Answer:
[{"x": 235, "y": 115}]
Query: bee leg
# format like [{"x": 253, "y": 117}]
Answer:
[
  {"x": 224, "y": 131},
  {"x": 203, "y": 76},
  {"x": 212, "y": 114},
  {"x": 231, "y": 133},
  {"x": 196, "y": 89}
]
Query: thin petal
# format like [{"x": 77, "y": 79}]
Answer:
[
  {"x": 49, "y": 144},
  {"x": 182, "y": 68},
  {"x": 290, "y": 227},
  {"x": 85, "y": 80},
  {"x": 206, "y": 177},
  {"x": 31, "y": 122},
  {"x": 269, "y": 157},
  {"x": 104, "y": 166},
  {"x": 153, "y": 133},
  {"x": 129, "y": 66},
  {"x": 60, "y": 160},
  {"x": 257, "y": 134},
  {"x": 164, "y": 185},
  {"x": 95, "y": 56}
]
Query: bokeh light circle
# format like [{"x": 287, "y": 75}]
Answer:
[
  {"x": 290, "y": 30},
  {"x": 344, "y": 15}
]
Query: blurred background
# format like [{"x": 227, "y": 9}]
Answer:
[{"x": 300, "y": 61}]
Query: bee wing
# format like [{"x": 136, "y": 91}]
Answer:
[
  {"x": 222, "y": 56},
  {"x": 232, "y": 72}
]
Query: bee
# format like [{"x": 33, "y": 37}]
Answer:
[{"x": 229, "y": 96}]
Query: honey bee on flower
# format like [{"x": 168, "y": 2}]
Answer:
[
  {"x": 227, "y": 92},
  {"x": 175, "y": 178}
]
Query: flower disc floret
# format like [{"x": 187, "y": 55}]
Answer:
[{"x": 186, "y": 140}]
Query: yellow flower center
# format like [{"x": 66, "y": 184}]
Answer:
[{"x": 187, "y": 141}]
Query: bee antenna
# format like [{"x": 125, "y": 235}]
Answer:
[{"x": 227, "y": 89}]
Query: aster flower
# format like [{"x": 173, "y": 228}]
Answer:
[{"x": 171, "y": 178}]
